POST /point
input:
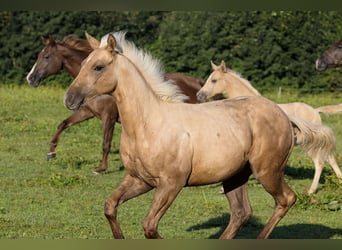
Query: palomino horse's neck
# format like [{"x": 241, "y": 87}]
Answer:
[
  {"x": 134, "y": 97},
  {"x": 238, "y": 86},
  {"x": 72, "y": 60}
]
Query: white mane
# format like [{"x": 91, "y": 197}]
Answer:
[{"x": 149, "y": 66}]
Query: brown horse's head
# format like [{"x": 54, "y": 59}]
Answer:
[
  {"x": 331, "y": 57},
  {"x": 56, "y": 55},
  {"x": 95, "y": 77},
  {"x": 49, "y": 62}
]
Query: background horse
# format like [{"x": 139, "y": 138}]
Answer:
[
  {"x": 332, "y": 57},
  {"x": 231, "y": 84},
  {"x": 162, "y": 148},
  {"x": 68, "y": 55}
]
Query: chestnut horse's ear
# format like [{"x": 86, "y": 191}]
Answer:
[
  {"x": 47, "y": 41},
  {"x": 213, "y": 66},
  {"x": 92, "y": 41},
  {"x": 223, "y": 67}
]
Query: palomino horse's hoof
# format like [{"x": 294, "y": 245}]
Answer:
[{"x": 51, "y": 155}]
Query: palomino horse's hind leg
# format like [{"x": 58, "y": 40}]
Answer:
[
  {"x": 334, "y": 165},
  {"x": 284, "y": 197},
  {"x": 129, "y": 188},
  {"x": 318, "y": 162},
  {"x": 240, "y": 207}
]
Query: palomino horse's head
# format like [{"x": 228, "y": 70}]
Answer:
[
  {"x": 49, "y": 62},
  {"x": 331, "y": 57},
  {"x": 96, "y": 75},
  {"x": 214, "y": 84}
]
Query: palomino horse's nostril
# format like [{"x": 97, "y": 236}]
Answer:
[{"x": 201, "y": 96}]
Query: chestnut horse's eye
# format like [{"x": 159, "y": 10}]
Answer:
[
  {"x": 98, "y": 67},
  {"x": 46, "y": 57}
]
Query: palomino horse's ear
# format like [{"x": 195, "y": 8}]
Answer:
[
  {"x": 92, "y": 41},
  {"x": 223, "y": 67},
  {"x": 112, "y": 45},
  {"x": 47, "y": 41},
  {"x": 213, "y": 66}
]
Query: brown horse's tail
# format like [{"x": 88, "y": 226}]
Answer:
[
  {"x": 330, "y": 109},
  {"x": 315, "y": 139}
]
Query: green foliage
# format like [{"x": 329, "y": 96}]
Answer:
[{"x": 270, "y": 48}]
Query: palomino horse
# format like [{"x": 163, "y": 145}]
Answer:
[
  {"x": 167, "y": 145},
  {"x": 68, "y": 55},
  {"x": 231, "y": 84},
  {"x": 332, "y": 57}
]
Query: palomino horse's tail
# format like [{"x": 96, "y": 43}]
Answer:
[
  {"x": 315, "y": 139},
  {"x": 330, "y": 109}
]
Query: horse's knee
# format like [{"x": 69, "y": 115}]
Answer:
[{"x": 109, "y": 209}]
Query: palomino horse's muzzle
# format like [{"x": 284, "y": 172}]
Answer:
[
  {"x": 202, "y": 96},
  {"x": 73, "y": 100}
]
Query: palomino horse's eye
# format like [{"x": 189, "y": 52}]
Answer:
[
  {"x": 213, "y": 80},
  {"x": 98, "y": 67}
]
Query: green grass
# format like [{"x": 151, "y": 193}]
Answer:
[{"x": 63, "y": 199}]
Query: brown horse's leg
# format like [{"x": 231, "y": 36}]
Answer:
[
  {"x": 109, "y": 116},
  {"x": 284, "y": 197},
  {"x": 129, "y": 188},
  {"x": 78, "y": 116},
  {"x": 240, "y": 208}
]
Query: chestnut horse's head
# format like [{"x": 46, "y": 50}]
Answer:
[
  {"x": 56, "y": 55},
  {"x": 49, "y": 62},
  {"x": 96, "y": 75},
  {"x": 331, "y": 57}
]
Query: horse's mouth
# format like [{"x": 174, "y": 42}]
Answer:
[{"x": 33, "y": 81}]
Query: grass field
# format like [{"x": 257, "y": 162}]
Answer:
[{"x": 62, "y": 199}]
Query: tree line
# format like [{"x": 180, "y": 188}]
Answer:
[{"x": 270, "y": 48}]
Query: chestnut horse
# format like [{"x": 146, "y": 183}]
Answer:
[
  {"x": 231, "y": 84},
  {"x": 332, "y": 57},
  {"x": 167, "y": 144},
  {"x": 68, "y": 55}
]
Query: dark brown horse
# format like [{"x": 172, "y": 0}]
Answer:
[
  {"x": 331, "y": 57},
  {"x": 67, "y": 54}
]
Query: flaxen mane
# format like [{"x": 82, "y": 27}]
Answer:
[{"x": 149, "y": 66}]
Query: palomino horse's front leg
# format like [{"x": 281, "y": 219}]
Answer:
[
  {"x": 78, "y": 116},
  {"x": 129, "y": 188},
  {"x": 165, "y": 194}
]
